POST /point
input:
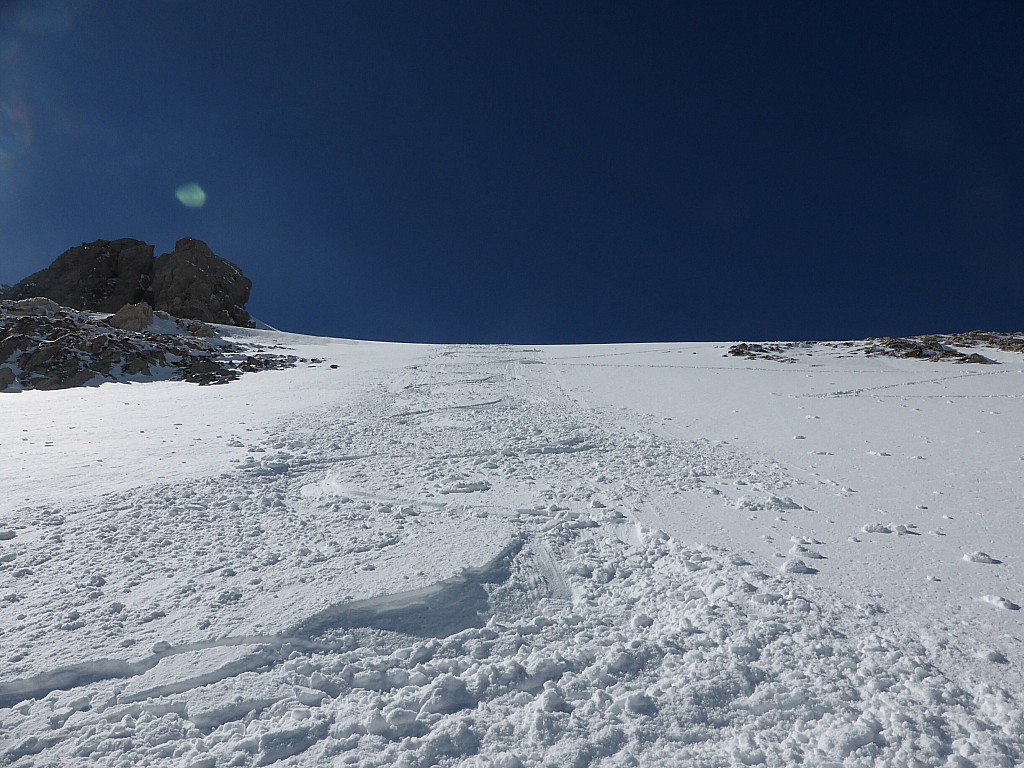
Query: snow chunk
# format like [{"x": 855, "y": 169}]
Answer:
[
  {"x": 796, "y": 565},
  {"x": 876, "y": 528},
  {"x": 992, "y": 655},
  {"x": 468, "y": 487},
  {"x": 981, "y": 557},
  {"x": 805, "y": 551},
  {"x": 1001, "y": 602}
]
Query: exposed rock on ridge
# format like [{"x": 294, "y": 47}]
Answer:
[
  {"x": 104, "y": 276},
  {"x": 934, "y": 348}
]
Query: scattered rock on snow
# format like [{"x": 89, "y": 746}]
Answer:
[
  {"x": 921, "y": 348},
  {"x": 935, "y": 348},
  {"x": 45, "y": 346}
]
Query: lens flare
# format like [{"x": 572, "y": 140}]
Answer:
[{"x": 191, "y": 195}]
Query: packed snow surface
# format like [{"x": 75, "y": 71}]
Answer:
[{"x": 627, "y": 555}]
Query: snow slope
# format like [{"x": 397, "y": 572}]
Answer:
[{"x": 506, "y": 556}]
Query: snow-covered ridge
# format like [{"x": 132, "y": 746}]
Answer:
[{"x": 651, "y": 555}]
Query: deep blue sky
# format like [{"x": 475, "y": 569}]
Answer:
[{"x": 537, "y": 171}]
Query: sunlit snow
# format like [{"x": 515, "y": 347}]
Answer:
[{"x": 415, "y": 555}]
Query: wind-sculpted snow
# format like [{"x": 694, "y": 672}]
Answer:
[{"x": 464, "y": 564}]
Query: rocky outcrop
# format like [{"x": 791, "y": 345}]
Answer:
[
  {"x": 132, "y": 317},
  {"x": 189, "y": 282},
  {"x": 102, "y": 276},
  {"x": 46, "y": 346}
]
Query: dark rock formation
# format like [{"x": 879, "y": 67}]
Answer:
[
  {"x": 192, "y": 282},
  {"x": 46, "y": 346},
  {"x": 103, "y": 276}
]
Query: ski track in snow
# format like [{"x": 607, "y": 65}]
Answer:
[{"x": 467, "y": 566}]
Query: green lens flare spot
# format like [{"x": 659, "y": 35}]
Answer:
[{"x": 191, "y": 195}]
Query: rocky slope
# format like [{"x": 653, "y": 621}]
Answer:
[{"x": 46, "y": 346}]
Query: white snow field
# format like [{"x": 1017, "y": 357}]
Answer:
[{"x": 623, "y": 555}]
